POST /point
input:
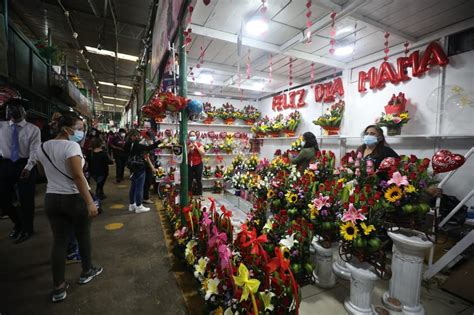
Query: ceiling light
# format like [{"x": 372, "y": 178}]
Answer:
[
  {"x": 118, "y": 85},
  {"x": 258, "y": 85},
  {"x": 115, "y": 98},
  {"x": 344, "y": 30},
  {"x": 206, "y": 78},
  {"x": 198, "y": 93},
  {"x": 344, "y": 51},
  {"x": 105, "y": 52},
  {"x": 110, "y": 104},
  {"x": 257, "y": 25}
]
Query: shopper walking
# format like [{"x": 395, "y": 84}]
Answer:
[
  {"x": 99, "y": 166},
  {"x": 19, "y": 140},
  {"x": 148, "y": 138},
  {"x": 137, "y": 165},
  {"x": 195, "y": 167},
  {"x": 307, "y": 155},
  {"x": 68, "y": 202},
  {"x": 120, "y": 155}
]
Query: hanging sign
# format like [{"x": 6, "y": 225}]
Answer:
[
  {"x": 432, "y": 56},
  {"x": 294, "y": 99},
  {"x": 326, "y": 92}
]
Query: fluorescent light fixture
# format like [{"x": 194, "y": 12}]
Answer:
[
  {"x": 258, "y": 85},
  {"x": 115, "y": 98},
  {"x": 109, "y": 104},
  {"x": 118, "y": 85},
  {"x": 206, "y": 78},
  {"x": 344, "y": 50},
  {"x": 344, "y": 30},
  {"x": 257, "y": 25},
  {"x": 198, "y": 93},
  {"x": 105, "y": 52}
]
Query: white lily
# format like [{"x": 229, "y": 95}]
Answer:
[
  {"x": 289, "y": 241},
  {"x": 212, "y": 285}
]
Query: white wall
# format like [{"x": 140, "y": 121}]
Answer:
[
  {"x": 217, "y": 102},
  {"x": 362, "y": 110}
]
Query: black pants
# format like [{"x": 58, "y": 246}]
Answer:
[
  {"x": 195, "y": 173},
  {"x": 10, "y": 185},
  {"x": 148, "y": 181},
  {"x": 68, "y": 214},
  {"x": 120, "y": 162},
  {"x": 100, "y": 182}
]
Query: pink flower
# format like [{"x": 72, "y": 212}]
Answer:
[
  {"x": 359, "y": 155},
  {"x": 397, "y": 120},
  {"x": 370, "y": 163},
  {"x": 357, "y": 163},
  {"x": 398, "y": 179},
  {"x": 352, "y": 214},
  {"x": 357, "y": 172},
  {"x": 350, "y": 159},
  {"x": 313, "y": 167},
  {"x": 321, "y": 201},
  {"x": 370, "y": 170},
  {"x": 218, "y": 238},
  {"x": 224, "y": 256}
]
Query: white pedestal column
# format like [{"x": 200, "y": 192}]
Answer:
[
  {"x": 339, "y": 267},
  {"x": 409, "y": 248},
  {"x": 362, "y": 285},
  {"x": 323, "y": 275}
]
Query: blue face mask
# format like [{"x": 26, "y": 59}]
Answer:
[
  {"x": 77, "y": 136},
  {"x": 370, "y": 140},
  {"x": 192, "y": 138}
]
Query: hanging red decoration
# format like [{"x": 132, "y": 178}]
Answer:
[
  {"x": 270, "y": 69},
  {"x": 308, "y": 21},
  {"x": 312, "y": 74},
  {"x": 386, "y": 50},
  {"x": 290, "y": 72},
  {"x": 332, "y": 42},
  {"x": 206, "y": 2},
  {"x": 248, "y": 64},
  {"x": 445, "y": 161},
  {"x": 187, "y": 32},
  {"x": 192, "y": 74},
  {"x": 406, "y": 44},
  {"x": 264, "y": 7}
]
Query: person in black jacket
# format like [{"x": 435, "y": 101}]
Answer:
[
  {"x": 99, "y": 166},
  {"x": 137, "y": 165},
  {"x": 375, "y": 148}
]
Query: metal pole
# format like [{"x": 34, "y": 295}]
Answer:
[
  {"x": 183, "y": 128},
  {"x": 5, "y": 17},
  {"x": 50, "y": 43}
]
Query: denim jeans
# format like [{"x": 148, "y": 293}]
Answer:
[
  {"x": 136, "y": 188},
  {"x": 100, "y": 182}
]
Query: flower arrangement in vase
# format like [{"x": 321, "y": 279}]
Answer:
[
  {"x": 227, "y": 113},
  {"x": 291, "y": 123},
  {"x": 393, "y": 122},
  {"x": 250, "y": 114},
  {"x": 261, "y": 127},
  {"x": 276, "y": 125},
  {"x": 331, "y": 120},
  {"x": 219, "y": 171},
  {"x": 210, "y": 112},
  {"x": 207, "y": 173}
]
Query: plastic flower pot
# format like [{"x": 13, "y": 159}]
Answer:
[
  {"x": 229, "y": 121},
  {"x": 208, "y": 120},
  {"x": 289, "y": 133},
  {"x": 249, "y": 122},
  {"x": 394, "y": 130},
  {"x": 331, "y": 131},
  {"x": 260, "y": 135},
  {"x": 275, "y": 134}
]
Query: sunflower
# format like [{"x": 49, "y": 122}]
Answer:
[
  {"x": 404, "y": 116},
  {"x": 349, "y": 231},
  {"x": 409, "y": 189},
  {"x": 393, "y": 194},
  {"x": 367, "y": 229},
  {"x": 291, "y": 197},
  {"x": 270, "y": 194}
]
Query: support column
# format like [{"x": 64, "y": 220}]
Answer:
[
  {"x": 183, "y": 126},
  {"x": 362, "y": 285},
  {"x": 323, "y": 275}
]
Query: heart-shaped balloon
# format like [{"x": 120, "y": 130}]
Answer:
[
  {"x": 445, "y": 161},
  {"x": 223, "y": 134},
  {"x": 388, "y": 163},
  {"x": 211, "y": 134}
]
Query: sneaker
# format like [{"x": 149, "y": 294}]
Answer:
[
  {"x": 59, "y": 295},
  {"x": 132, "y": 207},
  {"x": 141, "y": 209},
  {"x": 148, "y": 201},
  {"x": 87, "y": 277}
]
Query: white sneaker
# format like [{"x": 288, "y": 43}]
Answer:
[
  {"x": 132, "y": 207},
  {"x": 141, "y": 209}
]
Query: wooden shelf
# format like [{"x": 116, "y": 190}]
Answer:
[{"x": 207, "y": 125}]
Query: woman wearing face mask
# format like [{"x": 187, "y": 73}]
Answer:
[
  {"x": 308, "y": 154},
  {"x": 120, "y": 156},
  {"x": 375, "y": 148},
  {"x": 68, "y": 201},
  {"x": 137, "y": 152},
  {"x": 195, "y": 166}
]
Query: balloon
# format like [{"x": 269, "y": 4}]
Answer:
[
  {"x": 459, "y": 107},
  {"x": 337, "y": 87},
  {"x": 402, "y": 64},
  {"x": 194, "y": 107},
  {"x": 433, "y": 55},
  {"x": 388, "y": 163},
  {"x": 445, "y": 161},
  {"x": 319, "y": 93},
  {"x": 370, "y": 75},
  {"x": 386, "y": 74},
  {"x": 445, "y": 92}
]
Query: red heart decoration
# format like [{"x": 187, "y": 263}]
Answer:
[
  {"x": 206, "y": 2},
  {"x": 211, "y": 134},
  {"x": 308, "y": 14},
  {"x": 223, "y": 134},
  {"x": 388, "y": 163},
  {"x": 445, "y": 161}
]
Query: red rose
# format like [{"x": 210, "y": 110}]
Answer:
[
  {"x": 365, "y": 209},
  {"x": 283, "y": 212},
  {"x": 426, "y": 162},
  {"x": 368, "y": 189},
  {"x": 324, "y": 152},
  {"x": 412, "y": 176},
  {"x": 413, "y": 158},
  {"x": 352, "y": 199},
  {"x": 371, "y": 201},
  {"x": 318, "y": 154},
  {"x": 378, "y": 194},
  {"x": 362, "y": 198}
]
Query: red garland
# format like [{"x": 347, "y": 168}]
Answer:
[
  {"x": 332, "y": 42},
  {"x": 406, "y": 44},
  {"x": 308, "y": 21},
  {"x": 290, "y": 72},
  {"x": 270, "y": 69},
  {"x": 312, "y": 74},
  {"x": 248, "y": 65},
  {"x": 264, "y": 7},
  {"x": 187, "y": 33},
  {"x": 386, "y": 50}
]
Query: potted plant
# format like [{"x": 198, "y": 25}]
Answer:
[
  {"x": 291, "y": 123},
  {"x": 393, "y": 122},
  {"x": 331, "y": 121},
  {"x": 250, "y": 114},
  {"x": 210, "y": 112},
  {"x": 276, "y": 125},
  {"x": 227, "y": 113}
]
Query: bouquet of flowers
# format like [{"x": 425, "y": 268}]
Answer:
[
  {"x": 207, "y": 171},
  {"x": 250, "y": 114},
  {"x": 393, "y": 122},
  {"x": 331, "y": 120},
  {"x": 396, "y": 105},
  {"x": 210, "y": 112},
  {"x": 251, "y": 163},
  {"x": 297, "y": 145},
  {"x": 227, "y": 113},
  {"x": 261, "y": 127},
  {"x": 277, "y": 125},
  {"x": 292, "y": 122},
  {"x": 160, "y": 172},
  {"x": 218, "y": 187},
  {"x": 227, "y": 145},
  {"x": 219, "y": 171}
]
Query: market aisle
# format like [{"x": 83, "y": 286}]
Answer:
[{"x": 136, "y": 279}]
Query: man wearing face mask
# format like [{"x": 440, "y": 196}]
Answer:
[
  {"x": 19, "y": 140},
  {"x": 375, "y": 147},
  {"x": 120, "y": 155}
]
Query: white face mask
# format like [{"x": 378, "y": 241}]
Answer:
[{"x": 192, "y": 138}]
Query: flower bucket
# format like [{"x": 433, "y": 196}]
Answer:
[
  {"x": 260, "y": 135},
  {"x": 289, "y": 133},
  {"x": 394, "y": 131},
  {"x": 249, "y": 122},
  {"x": 229, "y": 121},
  {"x": 208, "y": 120},
  {"x": 395, "y": 109},
  {"x": 331, "y": 131},
  {"x": 275, "y": 134}
]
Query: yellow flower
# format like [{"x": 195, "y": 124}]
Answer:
[
  {"x": 267, "y": 300},
  {"x": 341, "y": 180},
  {"x": 270, "y": 194},
  {"x": 211, "y": 287},
  {"x": 291, "y": 197},
  {"x": 367, "y": 229},
  {"x": 404, "y": 116},
  {"x": 250, "y": 286},
  {"x": 409, "y": 189},
  {"x": 393, "y": 194},
  {"x": 313, "y": 211},
  {"x": 349, "y": 231},
  {"x": 200, "y": 268}
]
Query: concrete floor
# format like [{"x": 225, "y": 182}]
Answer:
[{"x": 137, "y": 278}]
